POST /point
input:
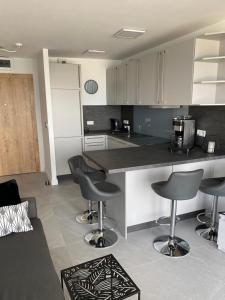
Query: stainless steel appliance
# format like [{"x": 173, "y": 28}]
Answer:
[
  {"x": 184, "y": 133},
  {"x": 116, "y": 125},
  {"x": 126, "y": 127}
]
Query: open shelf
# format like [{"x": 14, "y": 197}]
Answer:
[
  {"x": 212, "y": 59},
  {"x": 213, "y": 36},
  {"x": 209, "y": 81}
]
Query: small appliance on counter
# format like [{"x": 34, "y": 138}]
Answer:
[
  {"x": 116, "y": 125},
  {"x": 126, "y": 127},
  {"x": 184, "y": 134}
]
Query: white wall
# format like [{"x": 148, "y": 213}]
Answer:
[
  {"x": 46, "y": 116},
  {"x": 92, "y": 69},
  {"x": 29, "y": 66}
]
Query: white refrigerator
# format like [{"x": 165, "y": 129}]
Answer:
[{"x": 66, "y": 107}]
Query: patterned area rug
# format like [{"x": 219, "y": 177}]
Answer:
[{"x": 102, "y": 278}]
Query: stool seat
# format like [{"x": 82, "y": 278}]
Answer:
[
  {"x": 100, "y": 192},
  {"x": 180, "y": 186},
  {"x": 96, "y": 176},
  {"x": 89, "y": 216},
  {"x": 213, "y": 186},
  {"x": 106, "y": 191}
]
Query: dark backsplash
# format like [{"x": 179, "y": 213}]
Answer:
[
  {"x": 211, "y": 119},
  {"x": 158, "y": 122},
  {"x": 101, "y": 115}
]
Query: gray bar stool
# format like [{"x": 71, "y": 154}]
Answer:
[
  {"x": 89, "y": 216},
  {"x": 180, "y": 186},
  {"x": 215, "y": 187},
  {"x": 101, "y": 191}
]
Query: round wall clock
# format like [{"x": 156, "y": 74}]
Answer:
[{"x": 91, "y": 86}]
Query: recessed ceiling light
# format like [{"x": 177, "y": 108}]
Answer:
[
  {"x": 94, "y": 51},
  {"x": 129, "y": 33}
]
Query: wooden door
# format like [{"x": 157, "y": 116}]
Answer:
[{"x": 18, "y": 133}]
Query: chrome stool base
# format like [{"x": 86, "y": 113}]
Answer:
[
  {"x": 206, "y": 232},
  {"x": 87, "y": 217},
  {"x": 173, "y": 248},
  {"x": 101, "y": 239}
]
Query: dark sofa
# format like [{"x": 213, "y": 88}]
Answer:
[{"x": 26, "y": 268}]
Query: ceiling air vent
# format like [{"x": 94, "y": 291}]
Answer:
[
  {"x": 94, "y": 51},
  {"x": 5, "y": 63},
  {"x": 129, "y": 33}
]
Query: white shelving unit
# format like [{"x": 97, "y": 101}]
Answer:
[
  {"x": 216, "y": 36},
  {"x": 210, "y": 82},
  {"x": 209, "y": 69},
  {"x": 212, "y": 59}
]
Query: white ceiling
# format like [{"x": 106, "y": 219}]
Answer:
[{"x": 68, "y": 27}]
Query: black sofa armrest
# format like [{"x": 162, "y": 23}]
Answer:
[{"x": 32, "y": 207}]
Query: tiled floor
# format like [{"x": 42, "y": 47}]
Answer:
[{"x": 198, "y": 276}]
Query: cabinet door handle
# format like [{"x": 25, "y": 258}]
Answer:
[
  {"x": 138, "y": 87},
  {"x": 163, "y": 70},
  {"x": 158, "y": 77}
]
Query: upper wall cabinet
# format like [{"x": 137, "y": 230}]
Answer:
[
  {"x": 64, "y": 76},
  {"x": 177, "y": 74},
  {"x": 185, "y": 73},
  {"x": 121, "y": 84},
  {"x": 132, "y": 83},
  {"x": 111, "y": 86},
  {"x": 148, "y": 79}
]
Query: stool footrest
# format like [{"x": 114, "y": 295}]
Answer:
[{"x": 165, "y": 221}]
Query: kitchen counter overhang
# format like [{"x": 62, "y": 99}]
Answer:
[{"x": 145, "y": 157}]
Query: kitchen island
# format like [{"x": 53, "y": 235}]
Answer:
[{"x": 134, "y": 169}]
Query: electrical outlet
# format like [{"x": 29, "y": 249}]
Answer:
[
  {"x": 147, "y": 120},
  {"x": 90, "y": 123},
  {"x": 201, "y": 133}
]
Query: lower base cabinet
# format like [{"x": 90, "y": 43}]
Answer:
[{"x": 65, "y": 148}]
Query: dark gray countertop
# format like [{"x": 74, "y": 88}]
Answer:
[
  {"x": 135, "y": 138},
  {"x": 145, "y": 157}
]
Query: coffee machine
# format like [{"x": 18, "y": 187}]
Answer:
[
  {"x": 116, "y": 125},
  {"x": 184, "y": 134}
]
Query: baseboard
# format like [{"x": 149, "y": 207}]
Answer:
[
  {"x": 64, "y": 177},
  {"x": 152, "y": 224}
]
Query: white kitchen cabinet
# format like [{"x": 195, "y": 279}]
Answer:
[
  {"x": 143, "y": 204},
  {"x": 64, "y": 149},
  {"x": 177, "y": 77},
  {"x": 64, "y": 76},
  {"x": 66, "y": 112},
  {"x": 132, "y": 84},
  {"x": 111, "y": 86},
  {"x": 93, "y": 143},
  {"x": 121, "y": 83},
  {"x": 148, "y": 79}
]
